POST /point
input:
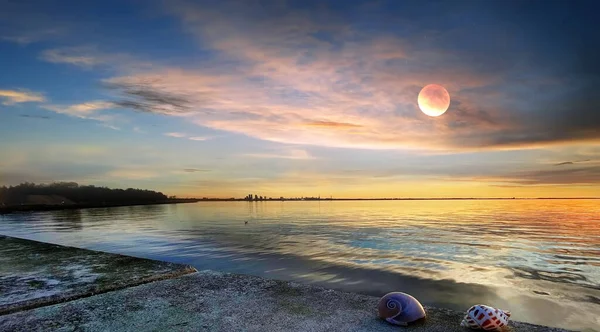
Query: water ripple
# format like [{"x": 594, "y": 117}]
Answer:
[{"x": 520, "y": 245}]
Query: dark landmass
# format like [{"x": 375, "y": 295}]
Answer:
[
  {"x": 44, "y": 207},
  {"x": 66, "y": 193},
  {"x": 70, "y": 195}
]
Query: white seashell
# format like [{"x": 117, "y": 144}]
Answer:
[
  {"x": 400, "y": 308},
  {"x": 485, "y": 317}
]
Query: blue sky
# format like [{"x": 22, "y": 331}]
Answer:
[{"x": 222, "y": 98}]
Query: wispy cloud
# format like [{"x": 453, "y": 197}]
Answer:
[
  {"x": 23, "y": 39},
  {"x": 292, "y": 154},
  {"x": 91, "y": 56},
  {"x": 347, "y": 90},
  {"x": 331, "y": 124},
  {"x": 190, "y": 137},
  {"x": 110, "y": 126},
  {"x": 11, "y": 97},
  {"x": 92, "y": 110},
  {"x": 87, "y": 110},
  {"x": 43, "y": 117},
  {"x": 194, "y": 170},
  {"x": 177, "y": 135},
  {"x": 572, "y": 162},
  {"x": 566, "y": 174},
  {"x": 28, "y": 37},
  {"x": 589, "y": 175},
  {"x": 73, "y": 56},
  {"x": 139, "y": 95},
  {"x": 564, "y": 163}
]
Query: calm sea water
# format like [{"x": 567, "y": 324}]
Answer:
[{"x": 538, "y": 258}]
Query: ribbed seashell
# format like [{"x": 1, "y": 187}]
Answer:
[
  {"x": 400, "y": 308},
  {"x": 485, "y": 317}
]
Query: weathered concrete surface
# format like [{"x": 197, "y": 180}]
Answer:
[
  {"x": 211, "y": 301},
  {"x": 34, "y": 274}
]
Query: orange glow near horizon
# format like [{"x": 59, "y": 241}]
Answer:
[
  {"x": 425, "y": 189},
  {"x": 264, "y": 104}
]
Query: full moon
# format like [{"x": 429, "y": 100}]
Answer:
[{"x": 433, "y": 100}]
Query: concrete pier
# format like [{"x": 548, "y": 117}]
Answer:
[
  {"x": 34, "y": 274},
  {"x": 145, "y": 295}
]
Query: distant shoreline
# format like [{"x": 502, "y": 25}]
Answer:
[
  {"x": 40, "y": 207},
  {"x": 384, "y": 199}
]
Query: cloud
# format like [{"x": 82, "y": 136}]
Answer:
[
  {"x": 111, "y": 127},
  {"x": 199, "y": 138},
  {"x": 11, "y": 97},
  {"x": 569, "y": 176},
  {"x": 28, "y": 37},
  {"x": 177, "y": 135},
  {"x": 140, "y": 95},
  {"x": 293, "y": 154},
  {"x": 572, "y": 162},
  {"x": 138, "y": 130},
  {"x": 87, "y": 110},
  {"x": 564, "y": 163},
  {"x": 22, "y": 39},
  {"x": 92, "y": 110},
  {"x": 194, "y": 170},
  {"x": 191, "y": 138},
  {"x": 73, "y": 56},
  {"x": 34, "y": 116},
  {"x": 561, "y": 174},
  {"x": 88, "y": 57},
  {"x": 310, "y": 79},
  {"x": 331, "y": 124}
]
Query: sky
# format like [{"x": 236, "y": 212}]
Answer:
[{"x": 302, "y": 98}]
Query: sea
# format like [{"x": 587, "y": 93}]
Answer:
[{"x": 539, "y": 259}]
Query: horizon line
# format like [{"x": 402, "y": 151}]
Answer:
[{"x": 380, "y": 198}]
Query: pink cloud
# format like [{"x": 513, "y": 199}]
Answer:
[
  {"x": 292, "y": 154},
  {"x": 289, "y": 86},
  {"x": 177, "y": 135}
]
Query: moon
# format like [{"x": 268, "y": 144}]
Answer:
[{"x": 434, "y": 100}]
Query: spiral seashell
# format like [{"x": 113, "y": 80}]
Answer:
[
  {"x": 400, "y": 308},
  {"x": 485, "y": 318}
]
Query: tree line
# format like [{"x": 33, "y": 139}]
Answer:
[{"x": 79, "y": 194}]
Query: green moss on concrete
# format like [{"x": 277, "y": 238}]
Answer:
[
  {"x": 36, "y": 284},
  {"x": 34, "y": 273}
]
